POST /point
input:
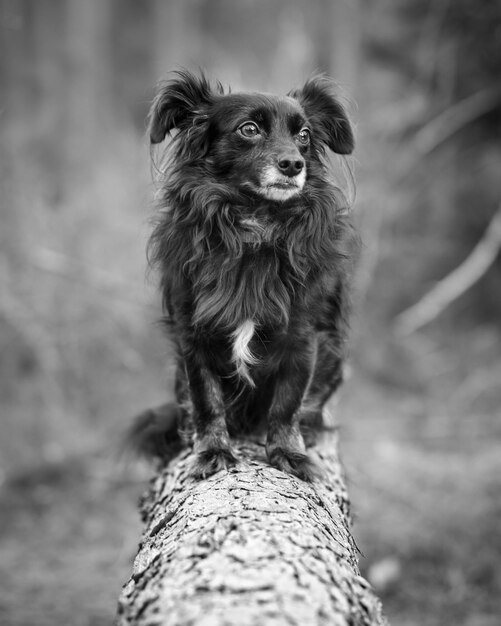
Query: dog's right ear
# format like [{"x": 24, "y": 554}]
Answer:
[
  {"x": 322, "y": 107},
  {"x": 177, "y": 102}
]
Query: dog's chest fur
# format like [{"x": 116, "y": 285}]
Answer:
[
  {"x": 242, "y": 297},
  {"x": 258, "y": 284}
]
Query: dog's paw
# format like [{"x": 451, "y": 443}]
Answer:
[
  {"x": 208, "y": 462},
  {"x": 293, "y": 462}
]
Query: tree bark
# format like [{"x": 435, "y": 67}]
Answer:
[{"x": 248, "y": 546}]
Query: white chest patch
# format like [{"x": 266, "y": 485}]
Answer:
[{"x": 241, "y": 353}]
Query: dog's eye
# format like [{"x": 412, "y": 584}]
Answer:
[
  {"x": 304, "y": 136},
  {"x": 249, "y": 129}
]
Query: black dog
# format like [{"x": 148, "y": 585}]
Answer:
[{"x": 251, "y": 245}]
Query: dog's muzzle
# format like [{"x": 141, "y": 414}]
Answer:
[{"x": 283, "y": 181}]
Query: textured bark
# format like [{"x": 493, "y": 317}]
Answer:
[{"x": 248, "y": 546}]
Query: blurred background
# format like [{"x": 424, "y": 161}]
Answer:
[{"x": 80, "y": 349}]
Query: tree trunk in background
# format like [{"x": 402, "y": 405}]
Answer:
[
  {"x": 340, "y": 41},
  {"x": 16, "y": 47},
  {"x": 18, "y": 109},
  {"x": 88, "y": 72},
  {"x": 173, "y": 23},
  {"x": 248, "y": 546},
  {"x": 17, "y": 76},
  {"x": 51, "y": 87}
]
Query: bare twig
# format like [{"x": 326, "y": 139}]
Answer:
[
  {"x": 456, "y": 283},
  {"x": 447, "y": 124}
]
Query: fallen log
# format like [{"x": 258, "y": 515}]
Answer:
[{"x": 248, "y": 546}]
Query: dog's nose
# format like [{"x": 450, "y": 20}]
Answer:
[{"x": 290, "y": 167}]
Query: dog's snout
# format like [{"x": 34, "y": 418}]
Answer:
[{"x": 290, "y": 166}]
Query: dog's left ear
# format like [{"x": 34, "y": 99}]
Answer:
[{"x": 327, "y": 115}]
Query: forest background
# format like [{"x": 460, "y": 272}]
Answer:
[{"x": 80, "y": 350}]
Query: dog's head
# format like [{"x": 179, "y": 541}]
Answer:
[{"x": 268, "y": 145}]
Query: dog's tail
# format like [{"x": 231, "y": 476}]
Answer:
[{"x": 154, "y": 433}]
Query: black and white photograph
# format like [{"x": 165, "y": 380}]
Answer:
[{"x": 250, "y": 304}]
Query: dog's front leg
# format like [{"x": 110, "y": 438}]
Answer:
[
  {"x": 212, "y": 441},
  {"x": 284, "y": 444}
]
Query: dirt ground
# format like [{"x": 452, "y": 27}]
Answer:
[{"x": 427, "y": 511}]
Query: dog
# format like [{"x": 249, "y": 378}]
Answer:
[{"x": 253, "y": 247}]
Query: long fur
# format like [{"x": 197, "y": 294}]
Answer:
[{"x": 254, "y": 281}]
